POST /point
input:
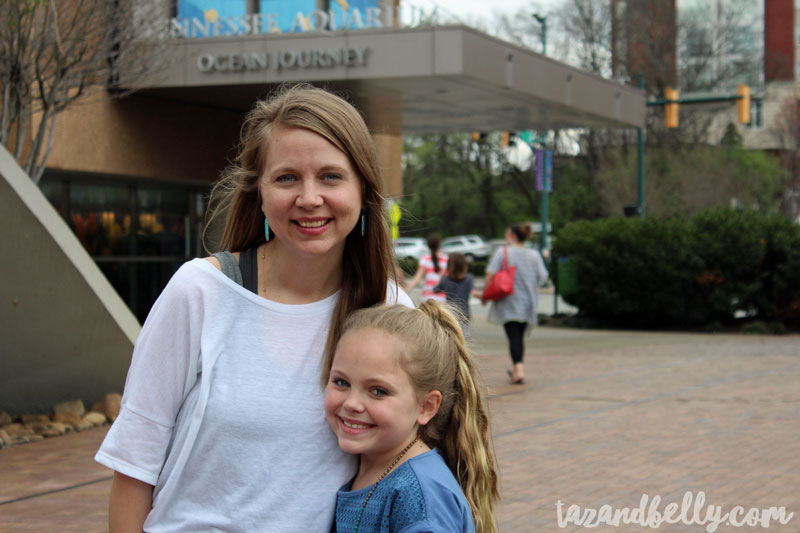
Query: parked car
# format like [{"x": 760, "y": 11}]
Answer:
[
  {"x": 472, "y": 246},
  {"x": 410, "y": 248}
]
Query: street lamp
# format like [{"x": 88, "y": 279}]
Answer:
[
  {"x": 545, "y": 204},
  {"x": 543, "y": 21}
]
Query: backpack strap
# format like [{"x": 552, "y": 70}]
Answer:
[
  {"x": 229, "y": 266},
  {"x": 248, "y": 263}
]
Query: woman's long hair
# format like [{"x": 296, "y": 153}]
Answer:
[
  {"x": 366, "y": 261},
  {"x": 435, "y": 356}
]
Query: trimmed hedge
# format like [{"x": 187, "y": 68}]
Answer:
[{"x": 677, "y": 271}]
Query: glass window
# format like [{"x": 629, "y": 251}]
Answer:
[
  {"x": 756, "y": 114},
  {"x": 100, "y": 216},
  {"x": 162, "y": 216},
  {"x": 139, "y": 283},
  {"x": 57, "y": 193},
  {"x": 138, "y": 233}
]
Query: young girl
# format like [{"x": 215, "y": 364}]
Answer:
[
  {"x": 458, "y": 285},
  {"x": 402, "y": 392},
  {"x": 430, "y": 269}
]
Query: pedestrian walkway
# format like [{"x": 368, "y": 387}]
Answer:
[{"x": 604, "y": 418}]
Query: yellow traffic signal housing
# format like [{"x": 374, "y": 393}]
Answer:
[
  {"x": 671, "y": 109},
  {"x": 743, "y": 104}
]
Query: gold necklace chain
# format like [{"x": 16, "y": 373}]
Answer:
[{"x": 386, "y": 473}]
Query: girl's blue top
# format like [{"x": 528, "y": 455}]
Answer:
[{"x": 421, "y": 495}]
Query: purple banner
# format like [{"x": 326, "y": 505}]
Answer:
[
  {"x": 548, "y": 170},
  {"x": 539, "y": 169},
  {"x": 544, "y": 170}
]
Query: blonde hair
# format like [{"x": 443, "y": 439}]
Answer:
[
  {"x": 435, "y": 356},
  {"x": 367, "y": 260}
]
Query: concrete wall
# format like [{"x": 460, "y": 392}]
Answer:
[
  {"x": 144, "y": 136},
  {"x": 65, "y": 332},
  {"x": 147, "y": 137}
]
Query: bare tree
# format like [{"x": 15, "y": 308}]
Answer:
[
  {"x": 786, "y": 129},
  {"x": 719, "y": 45},
  {"x": 710, "y": 46},
  {"x": 53, "y": 53}
]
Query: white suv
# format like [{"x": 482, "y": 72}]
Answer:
[
  {"x": 472, "y": 246},
  {"x": 410, "y": 248}
]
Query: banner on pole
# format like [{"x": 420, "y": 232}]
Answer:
[
  {"x": 548, "y": 170},
  {"x": 539, "y": 169},
  {"x": 544, "y": 170}
]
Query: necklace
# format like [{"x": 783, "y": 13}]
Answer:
[
  {"x": 386, "y": 473},
  {"x": 264, "y": 277}
]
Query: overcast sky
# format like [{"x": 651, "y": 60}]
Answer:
[{"x": 484, "y": 8}]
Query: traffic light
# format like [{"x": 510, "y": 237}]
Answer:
[
  {"x": 743, "y": 104},
  {"x": 671, "y": 109}
]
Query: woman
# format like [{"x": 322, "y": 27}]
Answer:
[
  {"x": 222, "y": 426},
  {"x": 517, "y": 311},
  {"x": 432, "y": 267}
]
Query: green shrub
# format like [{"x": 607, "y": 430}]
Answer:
[
  {"x": 757, "y": 327},
  {"x": 730, "y": 248},
  {"x": 477, "y": 268},
  {"x": 779, "y": 288},
  {"x": 629, "y": 270},
  {"x": 677, "y": 271},
  {"x": 408, "y": 265}
]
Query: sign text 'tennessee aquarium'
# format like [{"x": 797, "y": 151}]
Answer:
[{"x": 211, "y": 25}]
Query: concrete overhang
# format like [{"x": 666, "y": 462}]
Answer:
[{"x": 434, "y": 79}]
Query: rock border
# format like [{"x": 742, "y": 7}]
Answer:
[{"x": 70, "y": 416}]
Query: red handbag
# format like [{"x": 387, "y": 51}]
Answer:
[{"x": 502, "y": 284}]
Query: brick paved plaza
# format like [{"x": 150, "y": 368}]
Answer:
[{"x": 604, "y": 418}]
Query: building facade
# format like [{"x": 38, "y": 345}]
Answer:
[{"x": 131, "y": 175}]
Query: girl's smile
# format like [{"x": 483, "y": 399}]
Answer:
[{"x": 354, "y": 427}]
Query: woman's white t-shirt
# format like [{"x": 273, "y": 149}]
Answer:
[{"x": 248, "y": 449}]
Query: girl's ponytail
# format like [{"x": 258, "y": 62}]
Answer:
[
  {"x": 464, "y": 441},
  {"x": 434, "y": 242}
]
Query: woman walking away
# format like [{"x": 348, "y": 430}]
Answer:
[
  {"x": 402, "y": 392},
  {"x": 432, "y": 267},
  {"x": 221, "y": 426},
  {"x": 458, "y": 285},
  {"x": 518, "y": 311}
]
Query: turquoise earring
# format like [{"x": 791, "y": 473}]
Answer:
[
  {"x": 363, "y": 224},
  {"x": 266, "y": 229}
]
